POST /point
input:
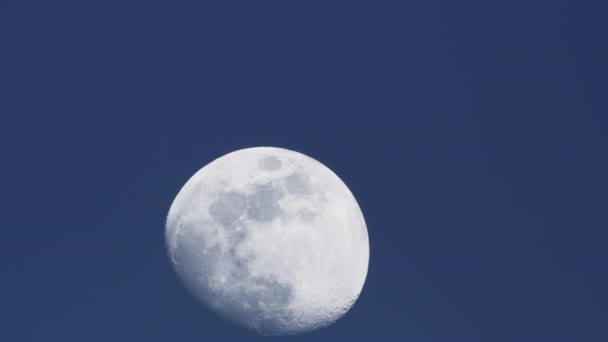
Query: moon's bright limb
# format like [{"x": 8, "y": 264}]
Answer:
[{"x": 271, "y": 239}]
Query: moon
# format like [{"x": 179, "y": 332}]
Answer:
[{"x": 271, "y": 239}]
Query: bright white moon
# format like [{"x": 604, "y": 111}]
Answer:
[{"x": 271, "y": 239}]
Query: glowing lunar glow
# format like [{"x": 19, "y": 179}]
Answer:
[{"x": 271, "y": 239}]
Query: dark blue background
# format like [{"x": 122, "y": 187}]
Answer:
[{"x": 473, "y": 134}]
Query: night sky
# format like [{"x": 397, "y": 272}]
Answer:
[{"x": 472, "y": 133}]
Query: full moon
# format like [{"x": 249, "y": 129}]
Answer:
[{"x": 271, "y": 239}]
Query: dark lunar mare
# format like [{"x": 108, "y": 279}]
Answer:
[{"x": 270, "y": 163}]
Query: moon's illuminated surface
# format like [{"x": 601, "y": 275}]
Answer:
[{"x": 271, "y": 239}]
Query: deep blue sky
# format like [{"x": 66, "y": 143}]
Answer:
[{"x": 473, "y": 134}]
